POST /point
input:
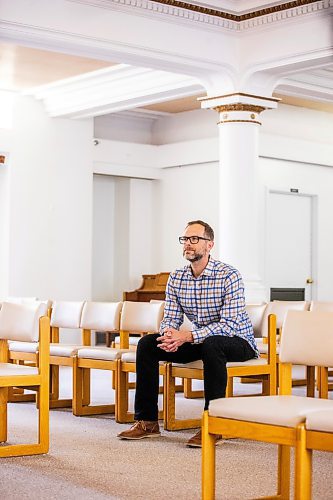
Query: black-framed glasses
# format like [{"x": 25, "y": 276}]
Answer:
[{"x": 192, "y": 239}]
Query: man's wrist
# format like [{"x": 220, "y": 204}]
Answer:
[{"x": 189, "y": 337}]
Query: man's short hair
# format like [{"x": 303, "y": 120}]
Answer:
[{"x": 209, "y": 233}]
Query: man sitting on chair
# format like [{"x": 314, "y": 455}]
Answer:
[{"x": 211, "y": 295}]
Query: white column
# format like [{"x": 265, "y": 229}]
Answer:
[{"x": 241, "y": 231}]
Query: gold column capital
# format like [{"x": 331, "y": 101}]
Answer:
[{"x": 239, "y": 107}]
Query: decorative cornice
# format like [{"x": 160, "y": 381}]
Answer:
[
  {"x": 236, "y": 17},
  {"x": 210, "y": 18}
]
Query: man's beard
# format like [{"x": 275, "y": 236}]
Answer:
[{"x": 195, "y": 257}]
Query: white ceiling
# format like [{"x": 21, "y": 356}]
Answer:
[
  {"x": 25, "y": 67},
  {"x": 72, "y": 85}
]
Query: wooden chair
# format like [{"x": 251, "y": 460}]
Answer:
[
  {"x": 323, "y": 372},
  {"x": 307, "y": 340},
  {"x": 24, "y": 352},
  {"x": 315, "y": 434},
  {"x": 143, "y": 318},
  {"x": 264, "y": 368},
  {"x": 25, "y": 323},
  {"x": 104, "y": 317},
  {"x": 280, "y": 308},
  {"x": 65, "y": 315}
]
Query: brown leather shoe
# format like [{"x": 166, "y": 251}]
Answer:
[
  {"x": 196, "y": 440},
  {"x": 140, "y": 430}
]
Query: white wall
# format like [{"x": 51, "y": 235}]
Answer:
[
  {"x": 301, "y": 137},
  {"x": 4, "y": 229},
  {"x": 313, "y": 180},
  {"x": 51, "y": 190},
  {"x": 124, "y": 239},
  {"x": 187, "y": 126},
  {"x": 50, "y": 205},
  {"x": 292, "y": 140},
  {"x": 185, "y": 193},
  {"x": 142, "y": 243},
  {"x": 103, "y": 238}
]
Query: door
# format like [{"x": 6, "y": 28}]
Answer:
[{"x": 289, "y": 248}]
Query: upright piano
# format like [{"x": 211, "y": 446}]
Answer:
[{"x": 152, "y": 287}]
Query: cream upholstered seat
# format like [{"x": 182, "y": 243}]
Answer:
[
  {"x": 307, "y": 340},
  {"x": 25, "y": 323},
  {"x": 104, "y": 317},
  {"x": 65, "y": 315},
  {"x": 144, "y": 318},
  {"x": 265, "y": 368}
]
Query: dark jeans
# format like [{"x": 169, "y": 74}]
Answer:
[{"x": 215, "y": 352}]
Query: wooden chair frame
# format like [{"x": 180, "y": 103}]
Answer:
[
  {"x": 285, "y": 437},
  {"x": 266, "y": 372},
  {"x": 123, "y": 415},
  {"x": 308, "y": 440},
  {"x": 81, "y": 385},
  {"x": 56, "y": 362},
  {"x": 38, "y": 382}
]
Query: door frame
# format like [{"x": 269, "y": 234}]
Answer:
[{"x": 313, "y": 235}]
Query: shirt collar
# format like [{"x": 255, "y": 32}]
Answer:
[{"x": 208, "y": 271}]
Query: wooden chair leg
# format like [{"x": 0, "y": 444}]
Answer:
[
  {"x": 121, "y": 412},
  {"x": 169, "y": 398},
  {"x": 208, "y": 461},
  {"x": 230, "y": 387},
  {"x": 54, "y": 382},
  {"x": 273, "y": 382},
  {"x": 284, "y": 472},
  {"x": 44, "y": 418},
  {"x": 323, "y": 386},
  {"x": 77, "y": 388},
  {"x": 310, "y": 381},
  {"x": 303, "y": 466},
  {"x": 86, "y": 375},
  {"x": 318, "y": 374},
  {"x": 3, "y": 414}
]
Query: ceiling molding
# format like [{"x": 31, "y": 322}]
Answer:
[
  {"x": 185, "y": 12},
  {"x": 110, "y": 90},
  {"x": 236, "y": 17}
]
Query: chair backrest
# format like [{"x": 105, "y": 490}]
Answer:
[
  {"x": 141, "y": 317},
  {"x": 66, "y": 314},
  {"x": 280, "y": 309},
  {"x": 256, "y": 314},
  {"x": 321, "y": 306},
  {"x": 307, "y": 338},
  {"x": 21, "y": 321},
  {"x": 101, "y": 316}
]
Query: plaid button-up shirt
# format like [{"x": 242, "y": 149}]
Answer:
[{"x": 214, "y": 303}]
